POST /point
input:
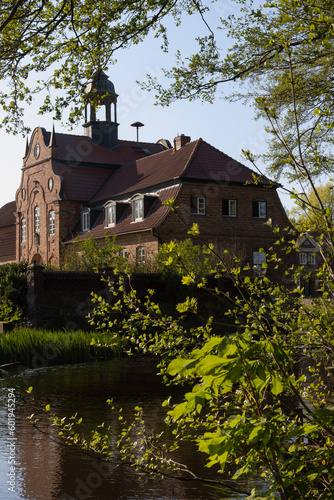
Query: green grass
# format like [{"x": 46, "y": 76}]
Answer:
[{"x": 37, "y": 348}]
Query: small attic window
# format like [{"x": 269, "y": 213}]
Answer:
[
  {"x": 141, "y": 206},
  {"x": 114, "y": 212},
  {"x": 85, "y": 221},
  {"x": 138, "y": 209},
  {"x": 110, "y": 214}
]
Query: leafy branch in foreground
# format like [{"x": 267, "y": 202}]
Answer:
[{"x": 258, "y": 401}]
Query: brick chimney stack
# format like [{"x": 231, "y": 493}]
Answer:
[{"x": 180, "y": 141}]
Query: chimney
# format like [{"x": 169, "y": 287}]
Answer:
[{"x": 180, "y": 141}]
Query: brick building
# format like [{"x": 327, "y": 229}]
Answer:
[{"x": 79, "y": 186}]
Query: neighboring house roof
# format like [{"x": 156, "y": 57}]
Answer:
[
  {"x": 154, "y": 218},
  {"x": 7, "y": 217},
  {"x": 7, "y": 244},
  {"x": 195, "y": 160},
  {"x": 7, "y": 232},
  {"x": 308, "y": 243}
]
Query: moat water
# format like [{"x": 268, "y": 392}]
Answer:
[{"x": 35, "y": 466}]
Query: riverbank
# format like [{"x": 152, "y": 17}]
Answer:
[{"x": 36, "y": 348}]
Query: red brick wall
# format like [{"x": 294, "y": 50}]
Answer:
[{"x": 243, "y": 233}]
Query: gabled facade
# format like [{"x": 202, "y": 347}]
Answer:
[
  {"x": 309, "y": 258},
  {"x": 74, "y": 187}
]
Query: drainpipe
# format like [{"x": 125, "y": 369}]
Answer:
[{"x": 157, "y": 237}]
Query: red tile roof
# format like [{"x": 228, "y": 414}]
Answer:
[
  {"x": 155, "y": 217},
  {"x": 7, "y": 244},
  {"x": 196, "y": 160},
  {"x": 80, "y": 149},
  {"x": 208, "y": 163},
  {"x": 7, "y": 217},
  {"x": 81, "y": 183}
]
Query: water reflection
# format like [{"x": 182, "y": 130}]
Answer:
[{"x": 46, "y": 470}]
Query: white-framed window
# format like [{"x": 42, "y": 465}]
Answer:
[
  {"x": 52, "y": 223},
  {"x": 259, "y": 259},
  {"x": 198, "y": 205},
  {"x": 110, "y": 213},
  {"x": 302, "y": 258},
  {"x": 311, "y": 259},
  {"x": 259, "y": 209},
  {"x": 124, "y": 253},
  {"x": 23, "y": 230},
  {"x": 36, "y": 220},
  {"x": 85, "y": 221},
  {"x": 229, "y": 208},
  {"x": 138, "y": 209},
  {"x": 306, "y": 258},
  {"x": 140, "y": 255}
]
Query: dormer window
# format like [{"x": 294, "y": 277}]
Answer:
[
  {"x": 110, "y": 212},
  {"x": 138, "y": 209},
  {"x": 114, "y": 211},
  {"x": 85, "y": 221},
  {"x": 142, "y": 205}
]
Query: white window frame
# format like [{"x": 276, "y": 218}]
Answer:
[
  {"x": 137, "y": 209},
  {"x": 259, "y": 258},
  {"x": 36, "y": 220},
  {"x": 302, "y": 258},
  {"x": 85, "y": 221},
  {"x": 232, "y": 207},
  {"x": 262, "y": 209},
  {"x": 124, "y": 253},
  {"x": 140, "y": 255},
  {"x": 52, "y": 223},
  {"x": 200, "y": 205},
  {"x": 311, "y": 259},
  {"x": 23, "y": 230},
  {"x": 110, "y": 215}
]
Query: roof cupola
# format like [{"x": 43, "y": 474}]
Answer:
[{"x": 101, "y": 94}]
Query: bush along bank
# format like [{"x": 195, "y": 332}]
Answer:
[{"x": 38, "y": 348}]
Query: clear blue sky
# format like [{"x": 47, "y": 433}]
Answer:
[{"x": 229, "y": 127}]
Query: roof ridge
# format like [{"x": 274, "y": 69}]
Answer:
[
  {"x": 197, "y": 143},
  {"x": 149, "y": 156}
]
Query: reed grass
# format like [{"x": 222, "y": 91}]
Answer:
[{"x": 37, "y": 348}]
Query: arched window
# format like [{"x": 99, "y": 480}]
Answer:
[
  {"x": 36, "y": 219},
  {"x": 23, "y": 230},
  {"x": 52, "y": 223},
  {"x": 140, "y": 254}
]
